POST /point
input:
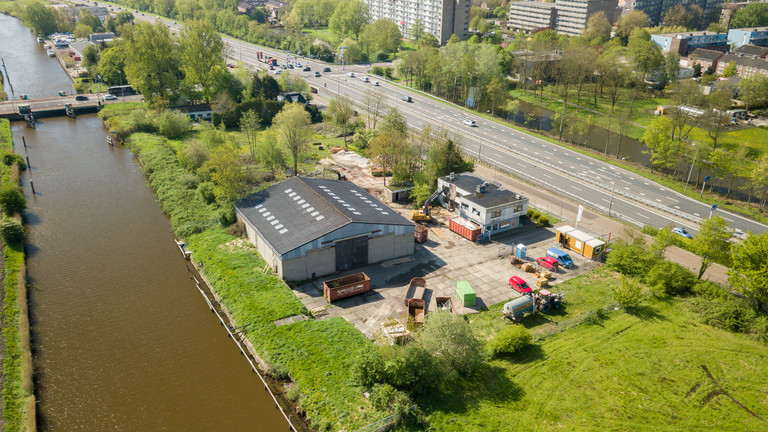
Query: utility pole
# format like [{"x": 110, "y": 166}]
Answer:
[{"x": 691, "y": 170}]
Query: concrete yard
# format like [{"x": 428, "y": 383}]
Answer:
[{"x": 444, "y": 259}]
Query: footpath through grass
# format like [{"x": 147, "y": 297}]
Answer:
[
  {"x": 315, "y": 355},
  {"x": 646, "y": 371}
]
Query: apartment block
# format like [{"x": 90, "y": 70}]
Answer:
[
  {"x": 531, "y": 15},
  {"x": 684, "y": 43},
  {"x": 655, "y": 9},
  {"x": 748, "y": 36},
  {"x": 442, "y": 18},
  {"x": 564, "y": 16}
]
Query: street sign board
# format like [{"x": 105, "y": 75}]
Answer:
[{"x": 706, "y": 178}]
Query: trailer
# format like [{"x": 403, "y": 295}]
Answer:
[
  {"x": 346, "y": 286},
  {"x": 543, "y": 301},
  {"x": 415, "y": 292}
]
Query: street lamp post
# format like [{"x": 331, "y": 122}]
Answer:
[
  {"x": 122, "y": 89},
  {"x": 691, "y": 170},
  {"x": 613, "y": 189}
]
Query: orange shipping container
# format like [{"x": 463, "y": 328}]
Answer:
[
  {"x": 346, "y": 286},
  {"x": 464, "y": 228}
]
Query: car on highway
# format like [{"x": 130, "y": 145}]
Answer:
[
  {"x": 682, "y": 232},
  {"x": 407, "y": 99},
  {"x": 290, "y": 66},
  {"x": 376, "y": 83},
  {"x": 351, "y": 74},
  {"x": 81, "y": 98},
  {"x": 278, "y": 72},
  {"x": 231, "y": 65},
  {"x": 364, "y": 79},
  {"x": 470, "y": 123},
  {"x": 327, "y": 69},
  {"x": 317, "y": 74},
  {"x": 307, "y": 69},
  {"x": 298, "y": 65},
  {"x": 110, "y": 97}
]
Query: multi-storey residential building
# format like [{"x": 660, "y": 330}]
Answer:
[
  {"x": 531, "y": 15},
  {"x": 748, "y": 36},
  {"x": 655, "y": 9},
  {"x": 572, "y": 15},
  {"x": 565, "y": 16},
  {"x": 442, "y": 18},
  {"x": 705, "y": 58},
  {"x": 684, "y": 43},
  {"x": 752, "y": 51}
]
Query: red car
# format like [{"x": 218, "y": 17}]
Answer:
[
  {"x": 518, "y": 284},
  {"x": 548, "y": 263}
]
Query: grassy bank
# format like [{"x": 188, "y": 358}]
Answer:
[
  {"x": 616, "y": 371},
  {"x": 17, "y": 387},
  {"x": 313, "y": 356}
]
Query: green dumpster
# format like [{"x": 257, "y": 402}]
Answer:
[{"x": 465, "y": 293}]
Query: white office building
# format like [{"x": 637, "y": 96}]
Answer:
[{"x": 442, "y": 18}]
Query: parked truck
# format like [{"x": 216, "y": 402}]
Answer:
[{"x": 543, "y": 301}]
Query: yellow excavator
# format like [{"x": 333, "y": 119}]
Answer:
[{"x": 422, "y": 214}]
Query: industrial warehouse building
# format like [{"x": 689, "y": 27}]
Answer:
[
  {"x": 490, "y": 206},
  {"x": 306, "y": 228}
]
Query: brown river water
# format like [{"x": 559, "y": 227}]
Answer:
[{"x": 122, "y": 339}]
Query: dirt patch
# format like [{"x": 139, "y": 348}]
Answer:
[{"x": 356, "y": 169}]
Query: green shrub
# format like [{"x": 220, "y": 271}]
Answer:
[
  {"x": 530, "y": 212},
  {"x": 194, "y": 155},
  {"x": 760, "y": 327},
  {"x": 386, "y": 398},
  {"x": 542, "y": 221},
  {"x": 510, "y": 339},
  {"x": 453, "y": 343},
  {"x": 12, "y": 198},
  {"x": 226, "y": 215},
  {"x": 535, "y": 215},
  {"x": 142, "y": 120},
  {"x": 630, "y": 259},
  {"x": 12, "y": 231},
  {"x": 189, "y": 181},
  {"x": 627, "y": 293},
  {"x": 205, "y": 190},
  {"x": 412, "y": 369},
  {"x": 173, "y": 124},
  {"x": 710, "y": 290},
  {"x": 732, "y": 314},
  {"x": 14, "y": 158},
  {"x": 668, "y": 278},
  {"x": 369, "y": 368},
  {"x": 81, "y": 87},
  {"x": 650, "y": 230},
  {"x": 378, "y": 70}
]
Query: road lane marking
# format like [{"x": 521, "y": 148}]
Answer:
[{"x": 640, "y": 214}]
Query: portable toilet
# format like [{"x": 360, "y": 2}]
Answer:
[
  {"x": 520, "y": 251},
  {"x": 465, "y": 293}
]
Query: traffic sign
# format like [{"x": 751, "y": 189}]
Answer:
[{"x": 706, "y": 178}]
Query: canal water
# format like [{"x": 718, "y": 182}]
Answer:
[{"x": 122, "y": 339}]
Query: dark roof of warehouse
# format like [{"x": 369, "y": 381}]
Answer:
[
  {"x": 494, "y": 195},
  {"x": 298, "y": 210}
]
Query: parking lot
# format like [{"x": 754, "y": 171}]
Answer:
[{"x": 444, "y": 259}]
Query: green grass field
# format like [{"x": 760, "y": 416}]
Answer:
[{"x": 639, "y": 372}]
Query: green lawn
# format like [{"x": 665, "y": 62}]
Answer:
[
  {"x": 639, "y": 372},
  {"x": 322, "y": 33}
]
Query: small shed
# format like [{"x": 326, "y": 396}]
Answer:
[
  {"x": 593, "y": 248},
  {"x": 578, "y": 241}
]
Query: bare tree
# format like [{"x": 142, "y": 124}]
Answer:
[{"x": 374, "y": 102}]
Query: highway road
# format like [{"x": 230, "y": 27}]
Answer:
[{"x": 596, "y": 184}]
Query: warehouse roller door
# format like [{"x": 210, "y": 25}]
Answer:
[{"x": 351, "y": 252}]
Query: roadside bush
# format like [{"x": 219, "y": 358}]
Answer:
[
  {"x": 630, "y": 259},
  {"x": 535, "y": 215},
  {"x": 710, "y": 290},
  {"x": 173, "y": 124},
  {"x": 369, "y": 368},
  {"x": 205, "y": 190},
  {"x": 668, "y": 278},
  {"x": 542, "y": 221},
  {"x": 510, "y": 339},
  {"x": 12, "y": 231},
  {"x": 389, "y": 72},
  {"x": 378, "y": 70},
  {"x": 530, "y": 212},
  {"x": 12, "y": 198},
  {"x": 14, "y": 158},
  {"x": 627, "y": 293},
  {"x": 650, "y": 230}
]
